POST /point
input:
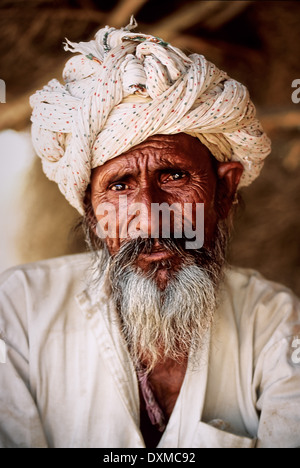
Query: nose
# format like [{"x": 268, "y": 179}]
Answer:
[{"x": 143, "y": 220}]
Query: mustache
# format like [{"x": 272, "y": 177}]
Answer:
[
  {"x": 212, "y": 258},
  {"x": 142, "y": 245},
  {"x": 134, "y": 247},
  {"x": 130, "y": 250}
]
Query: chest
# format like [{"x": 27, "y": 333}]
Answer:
[
  {"x": 158, "y": 394},
  {"x": 165, "y": 381}
]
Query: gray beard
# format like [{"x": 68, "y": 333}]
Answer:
[
  {"x": 164, "y": 324},
  {"x": 173, "y": 323}
]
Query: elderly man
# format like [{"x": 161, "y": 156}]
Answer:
[{"x": 151, "y": 340}]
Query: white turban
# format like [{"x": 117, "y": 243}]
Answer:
[{"x": 125, "y": 87}]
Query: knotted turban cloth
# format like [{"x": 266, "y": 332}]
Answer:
[{"x": 124, "y": 87}]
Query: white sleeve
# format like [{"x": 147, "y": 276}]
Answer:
[
  {"x": 20, "y": 424},
  {"x": 278, "y": 392}
]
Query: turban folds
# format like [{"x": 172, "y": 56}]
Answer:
[{"x": 124, "y": 87}]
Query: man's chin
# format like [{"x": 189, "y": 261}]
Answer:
[{"x": 160, "y": 266}]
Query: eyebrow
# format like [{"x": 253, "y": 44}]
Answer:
[
  {"x": 109, "y": 177},
  {"x": 126, "y": 173},
  {"x": 166, "y": 163}
]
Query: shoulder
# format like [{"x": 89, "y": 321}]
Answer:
[
  {"x": 68, "y": 267},
  {"x": 49, "y": 265},
  {"x": 39, "y": 295},
  {"x": 43, "y": 287},
  {"x": 245, "y": 284},
  {"x": 269, "y": 309}
]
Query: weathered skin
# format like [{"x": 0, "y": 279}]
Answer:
[{"x": 172, "y": 168}]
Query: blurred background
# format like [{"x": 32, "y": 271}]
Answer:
[{"x": 256, "y": 42}]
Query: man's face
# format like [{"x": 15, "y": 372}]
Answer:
[
  {"x": 163, "y": 169},
  {"x": 164, "y": 293}
]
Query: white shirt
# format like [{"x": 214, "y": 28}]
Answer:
[{"x": 68, "y": 380}]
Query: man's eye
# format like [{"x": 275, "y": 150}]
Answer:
[
  {"x": 118, "y": 187},
  {"x": 175, "y": 176}
]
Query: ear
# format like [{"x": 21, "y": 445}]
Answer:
[{"x": 229, "y": 175}]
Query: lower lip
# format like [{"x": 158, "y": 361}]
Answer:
[{"x": 156, "y": 256}]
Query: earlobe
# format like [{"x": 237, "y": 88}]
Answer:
[{"x": 229, "y": 175}]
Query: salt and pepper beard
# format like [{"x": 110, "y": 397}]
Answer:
[{"x": 172, "y": 323}]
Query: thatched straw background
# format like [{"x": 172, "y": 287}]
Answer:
[{"x": 256, "y": 42}]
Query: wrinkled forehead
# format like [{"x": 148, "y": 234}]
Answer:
[
  {"x": 162, "y": 151},
  {"x": 178, "y": 143}
]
